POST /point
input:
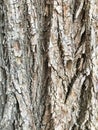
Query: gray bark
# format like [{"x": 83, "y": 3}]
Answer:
[{"x": 48, "y": 65}]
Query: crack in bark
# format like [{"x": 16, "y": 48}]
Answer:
[
  {"x": 3, "y": 60},
  {"x": 30, "y": 53},
  {"x": 76, "y": 4},
  {"x": 74, "y": 127},
  {"x": 70, "y": 85},
  {"x": 82, "y": 41},
  {"x": 16, "y": 123},
  {"x": 44, "y": 25},
  {"x": 60, "y": 46},
  {"x": 85, "y": 100},
  {"x": 85, "y": 97},
  {"x": 60, "y": 78},
  {"x": 81, "y": 62}
]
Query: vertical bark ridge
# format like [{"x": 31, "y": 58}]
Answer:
[
  {"x": 18, "y": 44},
  {"x": 94, "y": 57},
  {"x": 76, "y": 63},
  {"x": 85, "y": 93}
]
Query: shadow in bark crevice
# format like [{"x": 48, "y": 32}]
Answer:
[
  {"x": 44, "y": 10},
  {"x": 85, "y": 100}
]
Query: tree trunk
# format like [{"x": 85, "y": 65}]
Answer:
[{"x": 48, "y": 65}]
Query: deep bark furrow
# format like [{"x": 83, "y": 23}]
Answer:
[
  {"x": 70, "y": 85},
  {"x": 3, "y": 61},
  {"x": 60, "y": 46},
  {"x": 44, "y": 25},
  {"x": 85, "y": 102}
]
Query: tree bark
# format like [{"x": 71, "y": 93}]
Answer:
[{"x": 48, "y": 65}]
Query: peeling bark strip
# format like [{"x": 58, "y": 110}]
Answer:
[{"x": 48, "y": 64}]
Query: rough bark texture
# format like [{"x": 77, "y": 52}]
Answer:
[{"x": 48, "y": 64}]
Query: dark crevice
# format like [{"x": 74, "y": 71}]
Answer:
[
  {"x": 3, "y": 29},
  {"x": 60, "y": 46},
  {"x": 43, "y": 101},
  {"x": 85, "y": 99},
  {"x": 16, "y": 90},
  {"x": 13, "y": 124},
  {"x": 83, "y": 104},
  {"x": 80, "y": 65},
  {"x": 74, "y": 127},
  {"x": 70, "y": 85},
  {"x": 83, "y": 13},
  {"x": 16, "y": 122},
  {"x": 82, "y": 35},
  {"x": 82, "y": 41},
  {"x": 63, "y": 10},
  {"x": 30, "y": 92},
  {"x": 76, "y": 4},
  {"x": 46, "y": 107},
  {"x": 56, "y": 72},
  {"x": 29, "y": 54},
  {"x": 3, "y": 106},
  {"x": 60, "y": 78},
  {"x": 18, "y": 108},
  {"x": 86, "y": 95},
  {"x": 4, "y": 64},
  {"x": 44, "y": 26}
]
